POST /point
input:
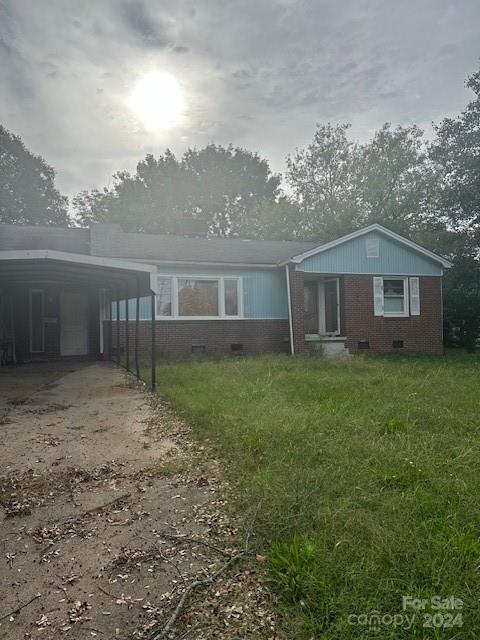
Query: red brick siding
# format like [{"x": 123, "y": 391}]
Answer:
[
  {"x": 176, "y": 337},
  {"x": 298, "y": 311},
  {"x": 421, "y": 333}
]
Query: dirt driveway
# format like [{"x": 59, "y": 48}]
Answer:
[{"x": 99, "y": 488}]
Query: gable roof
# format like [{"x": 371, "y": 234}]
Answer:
[
  {"x": 108, "y": 240},
  {"x": 361, "y": 232}
]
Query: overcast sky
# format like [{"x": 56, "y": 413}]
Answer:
[{"x": 257, "y": 73}]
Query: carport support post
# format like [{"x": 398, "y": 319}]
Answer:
[
  {"x": 154, "y": 372},
  {"x": 137, "y": 322},
  {"x": 110, "y": 329},
  {"x": 127, "y": 330},
  {"x": 118, "y": 329}
]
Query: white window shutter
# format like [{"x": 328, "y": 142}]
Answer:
[
  {"x": 378, "y": 296},
  {"x": 414, "y": 296}
]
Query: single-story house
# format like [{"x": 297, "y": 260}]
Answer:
[{"x": 63, "y": 292}]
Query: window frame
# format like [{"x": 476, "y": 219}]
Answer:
[
  {"x": 406, "y": 298},
  {"x": 221, "y": 296},
  {"x": 164, "y": 316}
]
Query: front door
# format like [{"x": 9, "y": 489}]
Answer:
[
  {"x": 331, "y": 307},
  {"x": 73, "y": 324}
]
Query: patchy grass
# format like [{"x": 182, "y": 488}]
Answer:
[{"x": 367, "y": 472}]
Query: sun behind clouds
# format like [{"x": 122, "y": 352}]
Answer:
[{"x": 157, "y": 100}]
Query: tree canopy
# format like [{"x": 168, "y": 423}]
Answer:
[
  {"x": 340, "y": 185},
  {"x": 27, "y": 186},
  {"x": 220, "y": 186},
  {"x": 456, "y": 154}
]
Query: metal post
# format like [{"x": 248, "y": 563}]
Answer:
[
  {"x": 118, "y": 329},
  {"x": 110, "y": 330},
  {"x": 137, "y": 323},
  {"x": 127, "y": 330},
  {"x": 154, "y": 373}
]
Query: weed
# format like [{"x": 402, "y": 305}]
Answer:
[{"x": 366, "y": 470}]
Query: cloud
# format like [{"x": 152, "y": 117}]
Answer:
[
  {"x": 257, "y": 74},
  {"x": 140, "y": 21}
]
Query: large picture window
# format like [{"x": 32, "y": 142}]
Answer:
[{"x": 198, "y": 297}]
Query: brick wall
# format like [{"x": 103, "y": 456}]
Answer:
[
  {"x": 176, "y": 337},
  {"x": 298, "y": 311},
  {"x": 421, "y": 333}
]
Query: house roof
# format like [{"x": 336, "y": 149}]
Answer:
[
  {"x": 169, "y": 248},
  {"x": 109, "y": 241},
  {"x": 360, "y": 232},
  {"x": 18, "y": 237}
]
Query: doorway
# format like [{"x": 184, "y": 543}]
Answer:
[
  {"x": 322, "y": 307},
  {"x": 73, "y": 323}
]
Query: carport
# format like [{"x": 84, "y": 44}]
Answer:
[{"x": 58, "y": 306}]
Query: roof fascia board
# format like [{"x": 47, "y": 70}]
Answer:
[
  {"x": 200, "y": 263},
  {"x": 77, "y": 258},
  {"x": 360, "y": 232}
]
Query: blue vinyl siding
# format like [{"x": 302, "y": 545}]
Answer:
[
  {"x": 265, "y": 294},
  {"x": 264, "y": 291},
  {"x": 351, "y": 257}
]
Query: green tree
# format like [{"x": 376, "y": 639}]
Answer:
[
  {"x": 339, "y": 185},
  {"x": 395, "y": 183},
  {"x": 321, "y": 178},
  {"x": 217, "y": 185},
  {"x": 27, "y": 186},
  {"x": 456, "y": 153},
  {"x": 462, "y": 300},
  {"x": 272, "y": 220}
]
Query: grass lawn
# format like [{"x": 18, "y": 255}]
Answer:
[{"x": 368, "y": 473}]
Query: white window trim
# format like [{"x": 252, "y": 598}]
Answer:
[
  {"x": 221, "y": 296},
  {"x": 32, "y": 291},
  {"x": 406, "y": 299}
]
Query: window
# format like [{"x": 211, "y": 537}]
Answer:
[
  {"x": 198, "y": 297},
  {"x": 164, "y": 297},
  {"x": 37, "y": 337},
  {"x": 390, "y": 296},
  {"x": 231, "y": 297},
  {"x": 394, "y": 296},
  {"x": 373, "y": 247}
]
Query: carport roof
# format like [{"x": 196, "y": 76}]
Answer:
[{"x": 38, "y": 265}]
